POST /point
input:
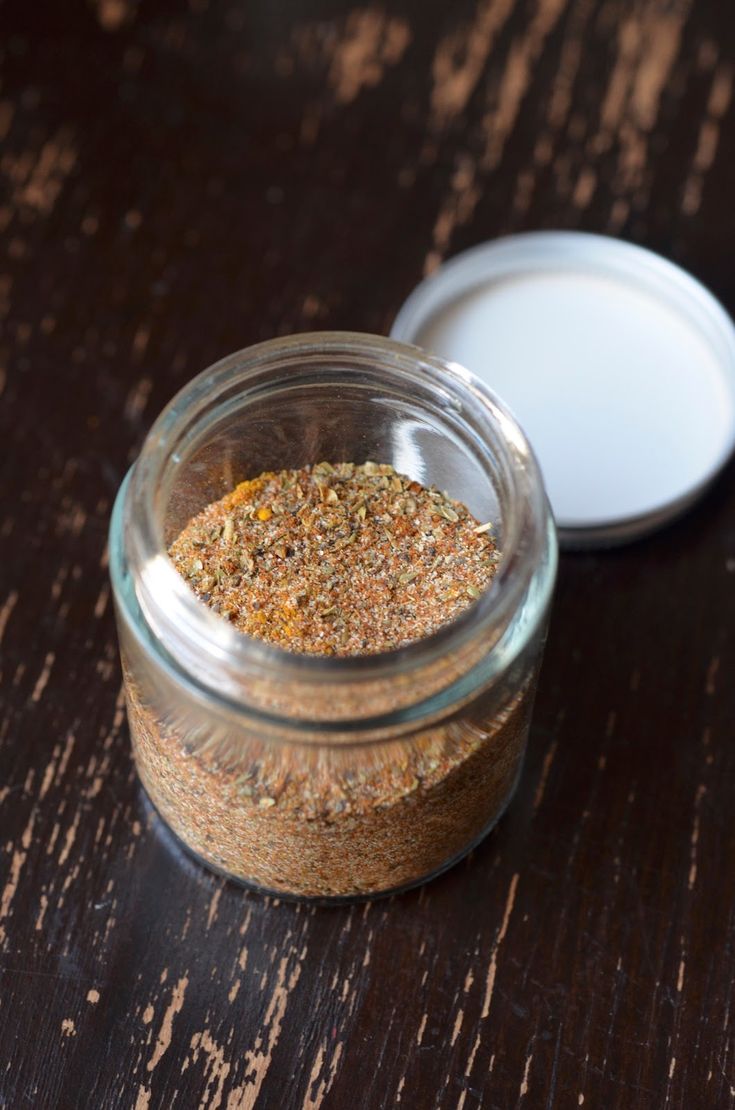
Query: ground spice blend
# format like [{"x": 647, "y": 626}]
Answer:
[{"x": 336, "y": 559}]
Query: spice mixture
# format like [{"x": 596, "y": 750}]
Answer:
[
  {"x": 336, "y": 560},
  {"x": 337, "y": 823}
]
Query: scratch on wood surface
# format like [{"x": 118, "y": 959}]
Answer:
[
  {"x": 41, "y": 913},
  {"x": 114, "y": 14},
  {"x": 72, "y": 518},
  {"x": 54, "y": 835},
  {"x": 368, "y": 949},
  {"x": 711, "y": 680},
  {"x": 562, "y": 92},
  {"x": 459, "y": 206},
  {"x": 514, "y": 82},
  {"x": 216, "y": 1071},
  {"x": 490, "y": 982},
  {"x": 258, "y": 1061},
  {"x": 58, "y": 582},
  {"x": 584, "y": 190},
  {"x": 71, "y": 876},
  {"x": 140, "y": 346},
  {"x": 317, "y": 1091},
  {"x": 48, "y": 774},
  {"x": 16, "y": 866},
  {"x": 468, "y": 1069},
  {"x": 524, "y": 1082},
  {"x": 471, "y": 1057},
  {"x": 214, "y": 903},
  {"x": 621, "y": 77},
  {"x": 456, "y": 211},
  {"x": 68, "y": 1028},
  {"x": 694, "y": 840},
  {"x": 102, "y": 599},
  {"x": 5, "y": 612},
  {"x": 143, "y": 1099},
  {"x": 137, "y": 400},
  {"x": 648, "y": 45},
  {"x": 543, "y": 779},
  {"x": 65, "y": 756},
  {"x": 312, "y": 307},
  {"x": 460, "y": 58},
  {"x": 166, "y": 1031},
  {"x": 459, "y": 1018},
  {"x": 719, "y": 102},
  {"x": 36, "y": 180},
  {"x": 369, "y": 43},
  {"x": 561, "y": 102},
  {"x": 43, "y": 677},
  {"x": 662, "y": 36},
  {"x": 71, "y": 833}
]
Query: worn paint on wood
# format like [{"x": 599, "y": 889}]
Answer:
[{"x": 179, "y": 181}]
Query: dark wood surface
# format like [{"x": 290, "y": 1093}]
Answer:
[{"x": 179, "y": 181}]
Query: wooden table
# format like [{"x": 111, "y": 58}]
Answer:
[{"x": 182, "y": 180}]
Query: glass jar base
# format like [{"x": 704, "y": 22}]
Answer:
[{"x": 180, "y": 845}]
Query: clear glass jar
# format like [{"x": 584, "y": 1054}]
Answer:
[{"x": 319, "y": 776}]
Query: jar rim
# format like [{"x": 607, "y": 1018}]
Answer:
[{"x": 171, "y": 608}]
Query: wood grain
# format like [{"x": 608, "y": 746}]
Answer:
[{"x": 178, "y": 181}]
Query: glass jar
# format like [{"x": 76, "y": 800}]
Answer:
[{"x": 330, "y": 777}]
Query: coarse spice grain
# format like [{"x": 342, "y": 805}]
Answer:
[
  {"x": 338, "y": 823},
  {"x": 339, "y": 559},
  {"x": 335, "y": 559}
]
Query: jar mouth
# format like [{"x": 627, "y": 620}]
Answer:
[{"x": 192, "y": 631}]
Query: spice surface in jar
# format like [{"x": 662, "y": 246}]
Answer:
[
  {"x": 336, "y": 559},
  {"x": 330, "y": 665}
]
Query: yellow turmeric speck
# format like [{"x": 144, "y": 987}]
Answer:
[
  {"x": 245, "y": 491},
  {"x": 265, "y": 513}
]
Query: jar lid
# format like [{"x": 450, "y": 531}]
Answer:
[{"x": 618, "y": 364}]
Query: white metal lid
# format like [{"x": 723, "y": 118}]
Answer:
[{"x": 619, "y": 365}]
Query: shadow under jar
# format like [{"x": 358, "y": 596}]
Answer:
[{"x": 314, "y": 776}]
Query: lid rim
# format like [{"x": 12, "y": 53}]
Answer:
[{"x": 544, "y": 252}]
